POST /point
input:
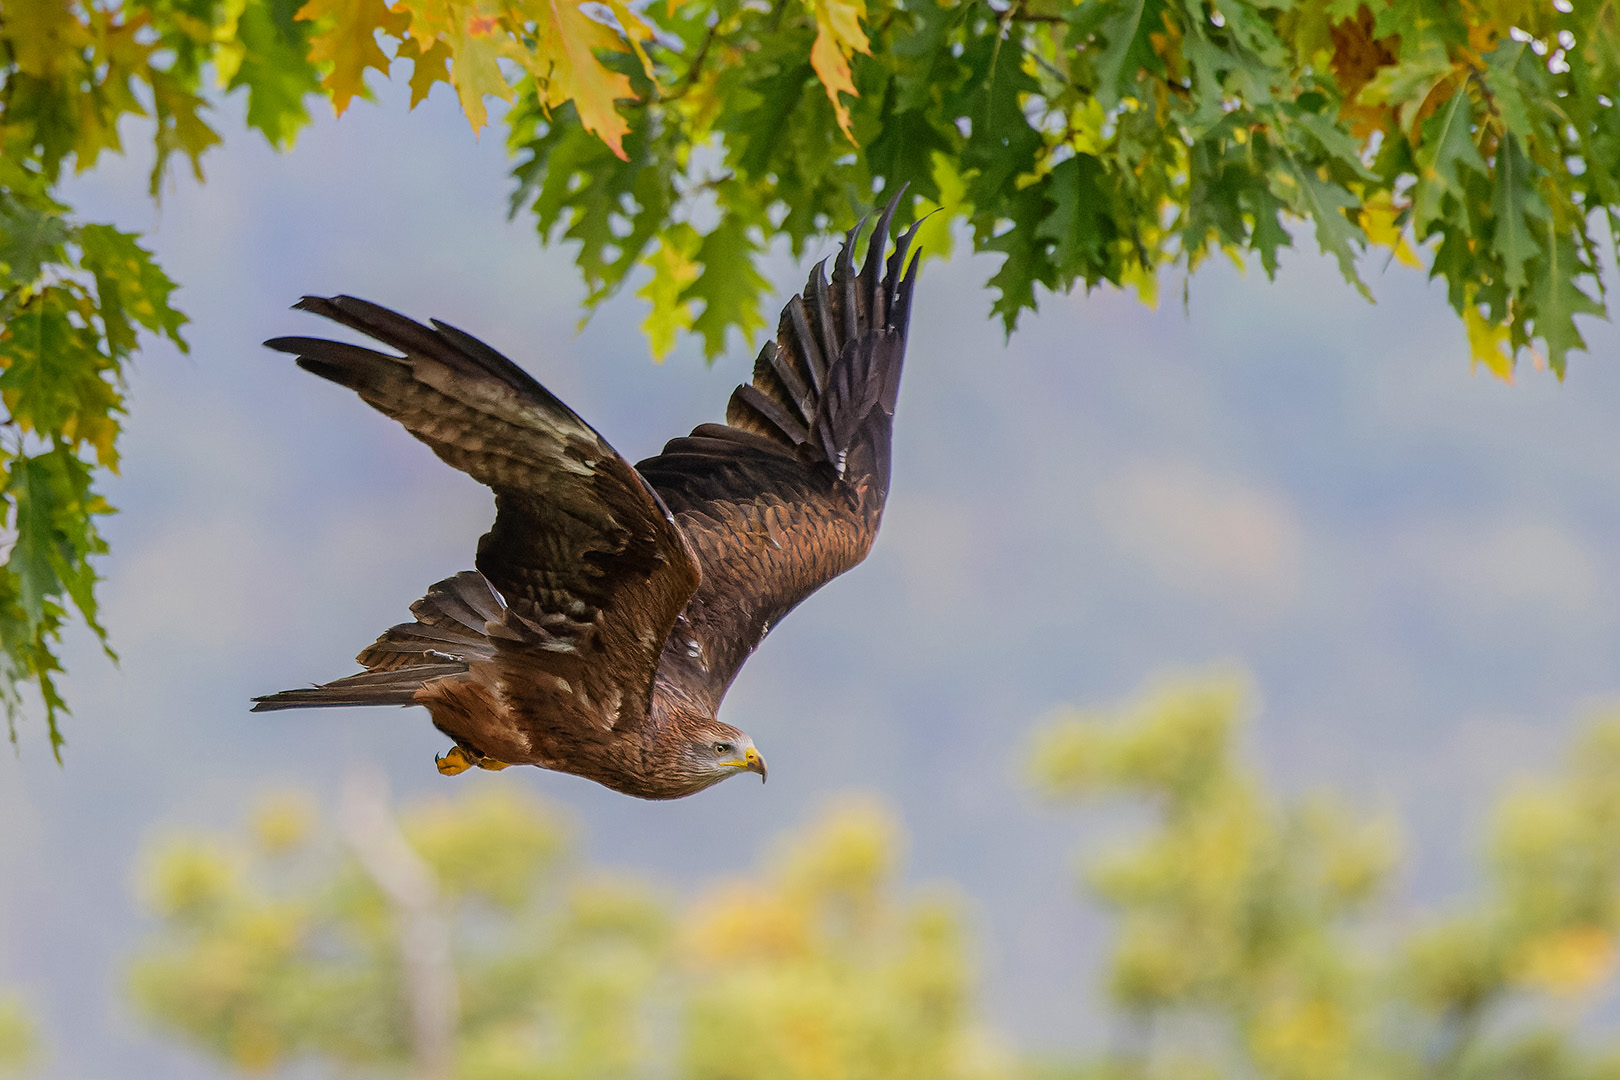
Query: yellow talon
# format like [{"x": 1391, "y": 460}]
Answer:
[
  {"x": 455, "y": 762},
  {"x": 492, "y": 765}
]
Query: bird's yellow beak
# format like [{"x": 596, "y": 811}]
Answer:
[{"x": 754, "y": 763}]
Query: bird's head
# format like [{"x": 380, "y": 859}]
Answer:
[{"x": 715, "y": 751}]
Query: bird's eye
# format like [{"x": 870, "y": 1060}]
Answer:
[{"x": 722, "y": 748}]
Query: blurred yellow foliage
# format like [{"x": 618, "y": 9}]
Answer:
[
  {"x": 1570, "y": 962},
  {"x": 1253, "y": 937},
  {"x": 815, "y": 967},
  {"x": 283, "y": 821},
  {"x": 490, "y": 844},
  {"x": 18, "y": 1050}
]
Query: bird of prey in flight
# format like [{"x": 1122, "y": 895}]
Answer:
[{"x": 612, "y": 604}]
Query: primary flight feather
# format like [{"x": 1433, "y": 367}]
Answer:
[{"x": 612, "y": 605}]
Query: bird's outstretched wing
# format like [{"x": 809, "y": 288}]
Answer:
[
  {"x": 589, "y": 567},
  {"x": 788, "y": 493}
]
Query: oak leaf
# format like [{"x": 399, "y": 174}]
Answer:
[
  {"x": 348, "y": 41},
  {"x": 838, "y": 36}
]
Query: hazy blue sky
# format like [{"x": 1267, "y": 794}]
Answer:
[{"x": 1416, "y": 562}]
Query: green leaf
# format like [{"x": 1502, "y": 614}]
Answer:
[
  {"x": 729, "y": 286},
  {"x": 129, "y": 285},
  {"x": 1515, "y": 201},
  {"x": 30, "y": 238},
  {"x": 34, "y": 556},
  {"x": 181, "y": 128},
  {"x": 1001, "y": 146},
  {"x": 1558, "y": 299},
  {"x": 1028, "y": 260},
  {"x": 1082, "y": 222},
  {"x": 276, "y": 69},
  {"x": 1506, "y": 85},
  {"x": 1446, "y": 150},
  {"x": 1128, "y": 49},
  {"x": 574, "y": 184},
  {"x": 46, "y": 358},
  {"x": 1324, "y": 203}
]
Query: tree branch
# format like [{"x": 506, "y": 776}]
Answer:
[{"x": 412, "y": 889}]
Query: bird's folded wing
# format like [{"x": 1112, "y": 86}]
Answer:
[
  {"x": 587, "y": 559},
  {"x": 788, "y": 493}
]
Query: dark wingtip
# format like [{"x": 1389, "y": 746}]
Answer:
[
  {"x": 902, "y": 272},
  {"x": 291, "y": 345},
  {"x": 818, "y": 273},
  {"x": 845, "y": 266},
  {"x": 907, "y": 283},
  {"x": 871, "y": 286},
  {"x": 880, "y": 232}
]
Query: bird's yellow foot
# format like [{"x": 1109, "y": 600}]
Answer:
[
  {"x": 456, "y": 762},
  {"x": 459, "y": 760}
]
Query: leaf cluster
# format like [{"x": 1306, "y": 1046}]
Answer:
[
  {"x": 1104, "y": 140},
  {"x": 75, "y": 296}
]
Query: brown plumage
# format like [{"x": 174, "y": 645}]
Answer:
[{"x": 612, "y": 605}]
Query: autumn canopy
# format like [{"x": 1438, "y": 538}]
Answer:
[{"x": 670, "y": 144}]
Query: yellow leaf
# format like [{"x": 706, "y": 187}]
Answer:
[
  {"x": 843, "y": 18},
  {"x": 432, "y": 66},
  {"x": 1144, "y": 279},
  {"x": 44, "y": 36},
  {"x": 673, "y": 270},
  {"x": 934, "y": 238},
  {"x": 475, "y": 71},
  {"x": 431, "y": 20},
  {"x": 1488, "y": 343},
  {"x": 567, "y": 44},
  {"x": 1378, "y": 220},
  {"x": 634, "y": 29},
  {"x": 348, "y": 41},
  {"x": 838, "y": 35},
  {"x": 229, "y": 51}
]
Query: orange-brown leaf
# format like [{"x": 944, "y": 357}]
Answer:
[
  {"x": 838, "y": 35},
  {"x": 568, "y": 41}
]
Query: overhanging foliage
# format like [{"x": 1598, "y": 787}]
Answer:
[{"x": 669, "y": 143}]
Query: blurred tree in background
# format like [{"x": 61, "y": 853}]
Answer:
[
  {"x": 283, "y": 946},
  {"x": 1253, "y": 939},
  {"x": 818, "y": 966},
  {"x": 18, "y": 1050},
  {"x": 289, "y": 946},
  {"x": 1084, "y": 141}
]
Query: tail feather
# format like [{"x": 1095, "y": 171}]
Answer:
[
  {"x": 450, "y": 633},
  {"x": 367, "y": 688}
]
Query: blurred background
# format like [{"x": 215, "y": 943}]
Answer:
[{"x": 1413, "y": 562}]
